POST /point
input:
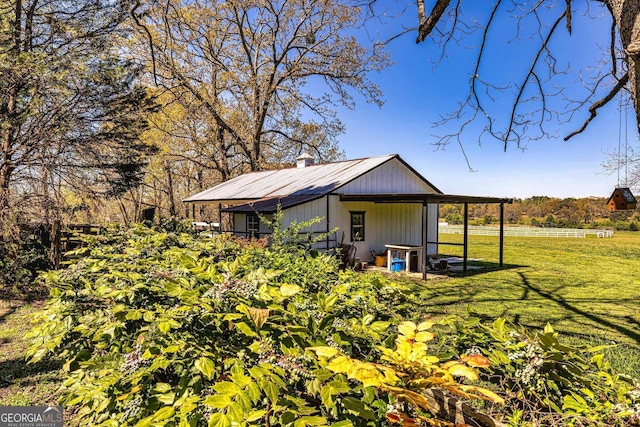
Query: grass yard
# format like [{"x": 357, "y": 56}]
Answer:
[
  {"x": 586, "y": 288},
  {"x": 22, "y": 384}
]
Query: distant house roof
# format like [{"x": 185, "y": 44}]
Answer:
[{"x": 292, "y": 186}]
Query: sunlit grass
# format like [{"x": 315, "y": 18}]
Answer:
[
  {"x": 588, "y": 289},
  {"x": 23, "y": 384}
]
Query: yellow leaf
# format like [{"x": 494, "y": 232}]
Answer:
[
  {"x": 404, "y": 348},
  {"x": 411, "y": 396},
  {"x": 548, "y": 329},
  {"x": 288, "y": 290},
  {"x": 424, "y": 336},
  {"x": 368, "y": 375},
  {"x": 258, "y": 316},
  {"x": 482, "y": 393},
  {"x": 341, "y": 365},
  {"x": 408, "y": 329},
  {"x": 460, "y": 370},
  {"x": 324, "y": 351},
  {"x": 206, "y": 366},
  {"x": 423, "y": 326}
]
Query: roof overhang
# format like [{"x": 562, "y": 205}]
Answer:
[
  {"x": 270, "y": 204},
  {"x": 220, "y": 201},
  {"x": 423, "y": 198}
]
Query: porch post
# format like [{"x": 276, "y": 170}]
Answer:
[
  {"x": 425, "y": 239},
  {"x": 501, "y": 234},
  {"x": 466, "y": 235}
]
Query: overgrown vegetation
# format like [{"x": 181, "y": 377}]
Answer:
[{"x": 162, "y": 328}]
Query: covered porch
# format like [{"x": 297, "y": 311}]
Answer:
[{"x": 437, "y": 199}]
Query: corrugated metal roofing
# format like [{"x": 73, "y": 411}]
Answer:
[
  {"x": 315, "y": 180},
  {"x": 270, "y": 205}
]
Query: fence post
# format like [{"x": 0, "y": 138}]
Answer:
[{"x": 56, "y": 244}]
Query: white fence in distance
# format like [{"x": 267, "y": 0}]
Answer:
[{"x": 490, "y": 230}]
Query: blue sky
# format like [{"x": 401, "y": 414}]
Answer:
[{"x": 416, "y": 93}]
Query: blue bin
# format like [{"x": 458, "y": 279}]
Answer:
[{"x": 398, "y": 264}]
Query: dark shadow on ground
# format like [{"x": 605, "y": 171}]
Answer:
[
  {"x": 562, "y": 302},
  {"x": 476, "y": 268},
  {"x": 12, "y": 370}
]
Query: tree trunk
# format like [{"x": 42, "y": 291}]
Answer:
[
  {"x": 170, "y": 192},
  {"x": 626, "y": 15}
]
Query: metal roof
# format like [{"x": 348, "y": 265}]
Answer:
[
  {"x": 313, "y": 180},
  {"x": 270, "y": 205}
]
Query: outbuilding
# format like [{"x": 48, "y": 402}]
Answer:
[{"x": 375, "y": 203}]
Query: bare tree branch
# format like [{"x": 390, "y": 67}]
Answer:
[
  {"x": 568, "y": 13},
  {"x": 428, "y": 24},
  {"x": 593, "y": 109}
]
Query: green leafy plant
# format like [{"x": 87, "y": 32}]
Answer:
[
  {"x": 407, "y": 371},
  {"x": 166, "y": 328},
  {"x": 544, "y": 379}
]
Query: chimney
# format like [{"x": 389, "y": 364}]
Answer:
[{"x": 304, "y": 160}]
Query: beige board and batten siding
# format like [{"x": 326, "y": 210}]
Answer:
[
  {"x": 307, "y": 211},
  {"x": 392, "y": 177},
  {"x": 385, "y": 223}
]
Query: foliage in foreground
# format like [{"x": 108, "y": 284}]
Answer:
[{"x": 167, "y": 329}]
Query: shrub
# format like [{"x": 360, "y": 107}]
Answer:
[
  {"x": 22, "y": 256},
  {"x": 455, "y": 219},
  {"x": 622, "y": 226},
  {"x": 168, "y": 329},
  {"x": 547, "y": 382}
]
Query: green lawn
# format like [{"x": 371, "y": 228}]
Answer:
[
  {"x": 588, "y": 289},
  {"x": 22, "y": 384}
]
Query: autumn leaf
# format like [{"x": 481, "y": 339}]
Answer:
[{"x": 476, "y": 360}]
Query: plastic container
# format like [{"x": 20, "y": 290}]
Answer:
[{"x": 398, "y": 264}]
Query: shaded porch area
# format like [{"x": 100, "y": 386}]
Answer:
[{"x": 438, "y": 199}]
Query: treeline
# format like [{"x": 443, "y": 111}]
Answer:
[{"x": 543, "y": 211}]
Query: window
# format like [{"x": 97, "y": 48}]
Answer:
[
  {"x": 253, "y": 226},
  {"x": 357, "y": 226}
]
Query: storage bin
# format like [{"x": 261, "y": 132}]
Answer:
[{"x": 398, "y": 264}]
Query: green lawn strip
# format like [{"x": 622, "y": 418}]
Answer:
[
  {"x": 588, "y": 289},
  {"x": 23, "y": 384}
]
